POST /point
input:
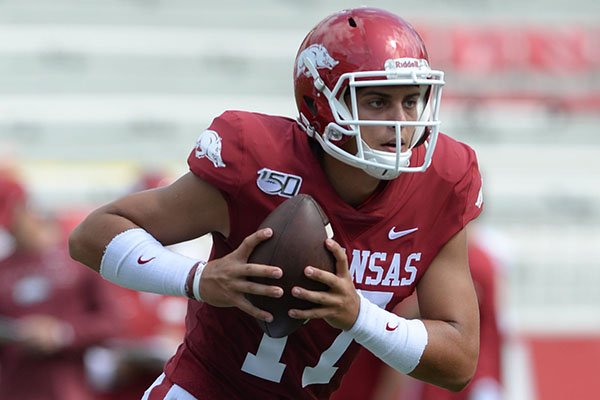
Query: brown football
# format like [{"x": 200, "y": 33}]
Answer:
[{"x": 300, "y": 228}]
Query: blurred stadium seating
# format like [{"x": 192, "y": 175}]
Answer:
[{"x": 92, "y": 92}]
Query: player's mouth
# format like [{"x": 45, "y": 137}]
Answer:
[{"x": 391, "y": 146}]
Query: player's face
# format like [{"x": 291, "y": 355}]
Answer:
[{"x": 389, "y": 103}]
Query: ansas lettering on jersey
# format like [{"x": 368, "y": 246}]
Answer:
[{"x": 383, "y": 269}]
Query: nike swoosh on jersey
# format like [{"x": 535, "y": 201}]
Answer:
[{"x": 392, "y": 234}]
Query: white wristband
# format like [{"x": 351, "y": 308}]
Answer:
[
  {"x": 397, "y": 341},
  {"x": 136, "y": 260},
  {"x": 195, "y": 292}
]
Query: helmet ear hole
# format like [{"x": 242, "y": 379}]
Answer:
[
  {"x": 310, "y": 103},
  {"x": 352, "y": 22}
]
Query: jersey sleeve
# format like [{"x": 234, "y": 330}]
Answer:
[
  {"x": 458, "y": 191},
  {"x": 218, "y": 156},
  {"x": 469, "y": 190},
  {"x": 227, "y": 155}
]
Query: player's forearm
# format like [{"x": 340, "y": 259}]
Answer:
[
  {"x": 89, "y": 239},
  {"x": 441, "y": 353},
  {"x": 450, "y": 358}
]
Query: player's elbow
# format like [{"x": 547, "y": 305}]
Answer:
[
  {"x": 453, "y": 376},
  {"x": 457, "y": 380},
  {"x": 459, "y": 384},
  {"x": 79, "y": 248},
  {"x": 463, "y": 374},
  {"x": 75, "y": 245},
  {"x": 452, "y": 370}
]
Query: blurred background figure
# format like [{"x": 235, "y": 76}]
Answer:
[
  {"x": 125, "y": 366},
  {"x": 371, "y": 379},
  {"x": 154, "y": 325},
  {"x": 51, "y": 310}
]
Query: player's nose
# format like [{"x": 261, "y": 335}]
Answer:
[{"x": 397, "y": 112}]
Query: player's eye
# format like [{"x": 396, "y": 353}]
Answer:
[
  {"x": 376, "y": 103},
  {"x": 410, "y": 102}
]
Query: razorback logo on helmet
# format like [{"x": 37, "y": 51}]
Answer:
[
  {"x": 318, "y": 55},
  {"x": 209, "y": 145},
  {"x": 400, "y": 63}
]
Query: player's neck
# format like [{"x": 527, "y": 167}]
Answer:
[{"x": 353, "y": 185}]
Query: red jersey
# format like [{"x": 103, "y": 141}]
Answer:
[
  {"x": 51, "y": 283},
  {"x": 257, "y": 161}
]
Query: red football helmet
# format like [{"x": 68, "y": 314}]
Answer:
[{"x": 356, "y": 48}]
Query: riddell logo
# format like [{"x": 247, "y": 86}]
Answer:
[
  {"x": 406, "y": 64},
  {"x": 400, "y": 63}
]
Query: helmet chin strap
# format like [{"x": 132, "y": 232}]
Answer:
[
  {"x": 383, "y": 174},
  {"x": 383, "y": 157}
]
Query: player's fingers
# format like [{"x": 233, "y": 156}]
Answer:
[
  {"x": 317, "y": 297},
  {"x": 313, "y": 313},
  {"x": 335, "y": 315},
  {"x": 251, "y": 241},
  {"x": 249, "y": 287},
  {"x": 262, "y": 271},
  {"x": 322, "y": 276},
  {"x": 247, "y": 307},
  {"x": 341, "y": 260}
]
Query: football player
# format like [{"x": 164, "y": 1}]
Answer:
[
  {"x": 51, "y": 309},
  {"x": 363, "y": 147}
]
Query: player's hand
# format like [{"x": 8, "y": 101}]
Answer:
[
  {"x": 225, "y": 283},
  {"x": 340, "y": 304}
]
